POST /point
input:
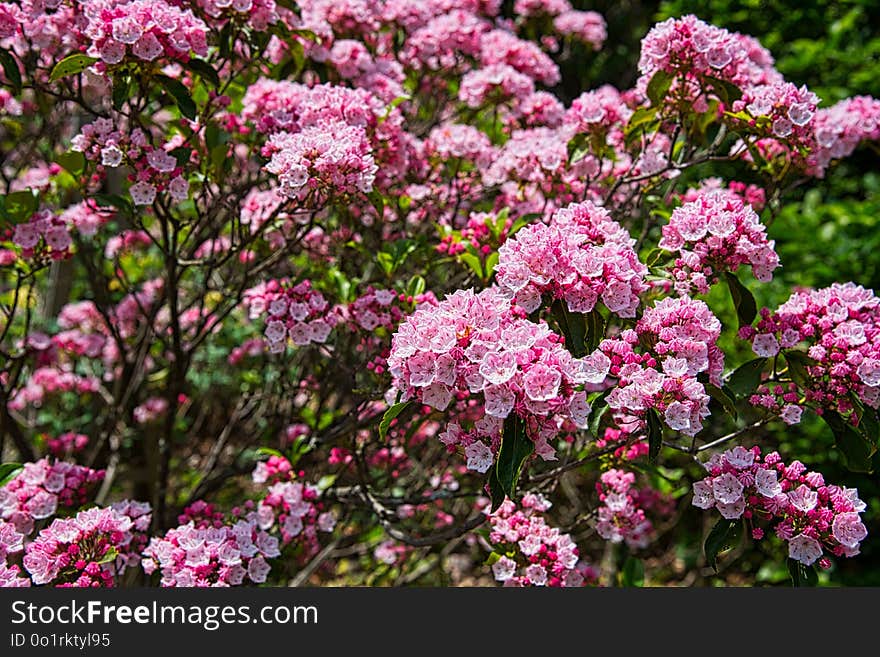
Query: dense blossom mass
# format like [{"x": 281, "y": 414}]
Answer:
[{"x": 354, "y": 291}]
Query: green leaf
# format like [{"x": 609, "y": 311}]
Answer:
[
  {"x": 802, "y": 575},
  {"x": 496, "y": 490},
  {"x": 292, "y": 65},
  {"x": 473, "y": 262},
  {"x": 269, "y": 451},
  {"x": 798, "y": 362},
  {"x": 491, "y": 263},
  {"x": 8, "y": 472},
  {"x": 73, "y": 161},
  {"x": 869, "y": 426},
  {"x": 722, "y": 398},
  {"x": 109, "y": 556},
  {"x": 640, "y": 117},
  {"x": 516, "y": 447},
  {"x": 10, "y": 69},
  {"x": 655, "y": 434},
  {"x": 723, "y": 536},
  {"x": 182, "y": 98},
  {"x": 726, "y": 91},
  {"x": 743, "y": 301},
  {"x": 633, "y": 572},
  {"x": 19, "y": 206},
  {"x": 578, "y": 146},
  {"x": 224, "y": 41},
  {"x": 182, "y": 154},
  {"x": 390, "y": 414},
  {"x": 204, "y": 71},
  {"x": 600, "y": 408},
  {"x": 857, "y": 451},
  {"x": 659, "y": 86},
  {"x": 747, "y": 377},
  {"x": 378, "y": 202},
  {"x": 573, "y": 326},
  {"x": 416, "y": 286},
  {"x": 115, "y": 201},
  {"x": 71, "y": 66},
  {"x": 121, "y": 91}
]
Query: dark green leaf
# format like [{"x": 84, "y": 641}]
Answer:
[
  {"x": 225, "y": 40},
  {"x": 802, "y": 575},
  {"x": 10, "y": 69},
  {"x": 723, "y": 536},
  {"x": 869, "y": 426},
  {"x": 115, "y": 201},
  {"x": 798, "y": 362},
  {"x": 73, "y": 161},
  {"x": 641, "y": 117},
  {"x": 516, "y": 447},
  {"x": 182, "y": 154},
  {"x": 743, "y": 301},
  {"x": 633, "y": 572},
  {"x": 416, "y": 286},
  {"x": 573, "y": 326},
  {"x": 578, "y": 146},
  {"x": 726, "y": 91},
  {"x": 121, "y": 91},
  {"x": 378, "y": 202},
  {"x": 747, "y": 377},
  {"x": 204, "y": 71},
  {"x": 390, "y": 414},
  {"x": 71, "y": 66},
  {"x": 182, "y": 98},
  {"x": 655, "y": 434},
  {"x": 857, "y": 451},
  {"x": 8, "y": 472},
  {"x": 496, "y": 490},
  {"x": 293, "y": 65},
  {"x": 19, "y": 206},
  {"x": 659, "y": 86},
  {"x": 722, "y": 398}
]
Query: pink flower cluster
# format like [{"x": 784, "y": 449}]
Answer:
[
  {"x": 274, "y": 469},
  {"x": 322, "y": 161},
  {"x": 260, "y": 14},
  {"x": 597, "y": 111},
  {"x": 41, "y": 488},
  {"x": 715, "y": 233},
  {"x": 444, "y": 42},
  {"x": 810, "y": 515},
  {"x": 586, "y": 26},
  {"x": 456, "y": 141},
  {"x": 630, "y": 448},
  {"x": 296, "y": 312},
  {"x": 155, "y": 169},
  {"x": 495, "y": 83},
  {"x": 81, "y": 551},
  {"x": 839, "y": 129},
  {"x": 840, "y": 326},
  {"x": 581, "y": 256},
  {"x": 145, "y": 29},
  {"x": 11, "y": 543},
  {"x": 620, "y": 517},
  {"x": 787, "y": 111},
  {"x": 225, "y": 555},
  {"x": 667, "y": 382},
  {"x": 686, "y": 329},
  {"x": 503, "y": 47},
  {"x": 293, "y": 507},
  {"x": 690, "y": 47},
  {"x": 45, "y": 235},
  {"x": 67, "y": 444},
  {"x": 534, "y": 554},
  {"x": 477, "y": 343},
  {"x": 376, "y": 308},
  {"x": 478, "y": 232},
  {"x": 50, "y": 381}
]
